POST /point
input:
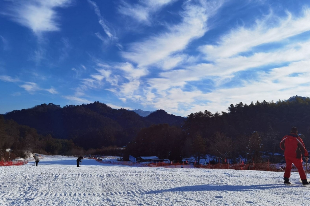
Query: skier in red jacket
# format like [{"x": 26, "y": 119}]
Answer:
[{"x": 294, "y": 148}]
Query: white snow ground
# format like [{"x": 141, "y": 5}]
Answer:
[{"x": 57, "y": 181}]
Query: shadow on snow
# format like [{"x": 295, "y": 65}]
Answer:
[{"x": 221, "y": 188}]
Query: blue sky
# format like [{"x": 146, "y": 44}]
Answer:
[{"x": 182, "y": 56}]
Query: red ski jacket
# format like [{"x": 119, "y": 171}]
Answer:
[{"x": 293, "y": 146}]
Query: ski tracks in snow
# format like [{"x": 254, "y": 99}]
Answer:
[{"x": 119, "y": 185}]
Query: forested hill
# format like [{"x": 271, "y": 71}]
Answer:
[
  {"x": 249, "y": 129},
  {"x": 89, "y": 126},
  {"x": 22, "y": 139}
]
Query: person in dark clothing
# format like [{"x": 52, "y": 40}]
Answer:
[
  {"x": 78, "y": 161},
  {"x": 294, "y": 148},
  {"x": 36, "y": 159}
]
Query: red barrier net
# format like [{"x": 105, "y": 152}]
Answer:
[
  {"x": 253, "y": 166},
  {"x": 13, "y": 163},
  {"x": 239, "y": 166}
]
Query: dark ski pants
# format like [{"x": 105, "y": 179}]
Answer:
[
  {"x": 298, "y": 164},
  {"x": 78, "y": 163},
  {"x": 37, "y": 163}
]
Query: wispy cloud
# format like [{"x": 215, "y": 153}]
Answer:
[
  {"x": 268, "y": 30},
  {"x": 278, "y": 83},
  {"x": 5, "y": 43},
  {"x": 77, "y": 100},
  {"x": 143, "y": 11},
  {"x": 177, "y": 91},
  {"x": 104, "y": 24},
  {"x": 79, "y": 70},
  {"x": 52, "y": 90},
  {"x": 39, "y": 16},
  {"x": 30, "y": 87},
  {"x": 96, "y": 80},
  {"x": 159, "y": 47},
  {"x": 117, "y": 107},
  {"x": 130, "y": 71},
  {"x": 33, "y": 87},
  {"x": 128, "y": 80},
  {"x": 65, "y": 49},
  {"x": 38, "y": 55},
  {"x": 176, "y": 100},
  {"x": 6, "y": 78}
]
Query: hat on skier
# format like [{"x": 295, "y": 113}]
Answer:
[{"x": 294, "y": 130}]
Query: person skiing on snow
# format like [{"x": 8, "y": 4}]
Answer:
[
  {"x": 78, "y": 161},
  {"x": 294, "y": 148},
  {"x": 36, "y": 159}
]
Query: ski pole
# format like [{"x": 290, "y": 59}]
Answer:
[{"x": 306, "y": 165}]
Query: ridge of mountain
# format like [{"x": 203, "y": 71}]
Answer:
[{"x": 90, "y": 125}]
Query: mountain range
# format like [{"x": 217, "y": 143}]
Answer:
[{"x": 90, "y": 125}]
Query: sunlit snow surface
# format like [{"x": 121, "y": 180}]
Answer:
[{"x": 57, "y": 181}]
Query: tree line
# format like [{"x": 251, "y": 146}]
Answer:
[
  {"x": 246, "y": 131},
  {"x": 19, "y": 140}
]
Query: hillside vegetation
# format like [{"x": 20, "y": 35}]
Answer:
[
  {"x": 93, "y": 125},
  {"x": 249, "y": 131}
]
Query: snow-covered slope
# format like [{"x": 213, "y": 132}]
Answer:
[{"x": 57, "y": 181}]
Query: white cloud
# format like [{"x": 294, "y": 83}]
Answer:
[
  {"x": 77, "y": 100},
  {"x": 83, "y": 67},
  {"x": 171, "y": 62},
  {"x": 279, "y": 83},
  {"x": 157, "y": 48},
  {"x": 52, "y": 90},
  {"x": 223, "y": 69},
  {"x": 6, "y": 78},
  {"x": 126, "y": 85},
  {"x": 265, "y": 31},
  {"x": 30, "y": 87},
  {"x": 5, "y": 43},
  {"x": 131, "y": 72},
  {"x": 79, "y": 70},
  {"x": 102, "y": 22},
  {"x": 176, "y": 100},
  {"x": 38, "y": 55},
  {"x": 39, "y": 16},
  {"x": 143, "y": 11},
  {"x": 117, "y": 107},
  {"x": 130, "y": 90},
  {"x": 64, "y": 50}
]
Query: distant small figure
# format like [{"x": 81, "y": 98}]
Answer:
[
  {"x": 79, "y": 160},
  {"x": 36, "y": 159}
]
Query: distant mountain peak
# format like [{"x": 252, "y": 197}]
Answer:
[
  {"x": 161, "y": 116},
  {"x": 141, "y": 112}
]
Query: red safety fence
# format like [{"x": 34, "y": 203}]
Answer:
[
  {"x": 252, "y": 166},
  {"x": 239, "y": 166},
  {"x": 13, "y": 163}
]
